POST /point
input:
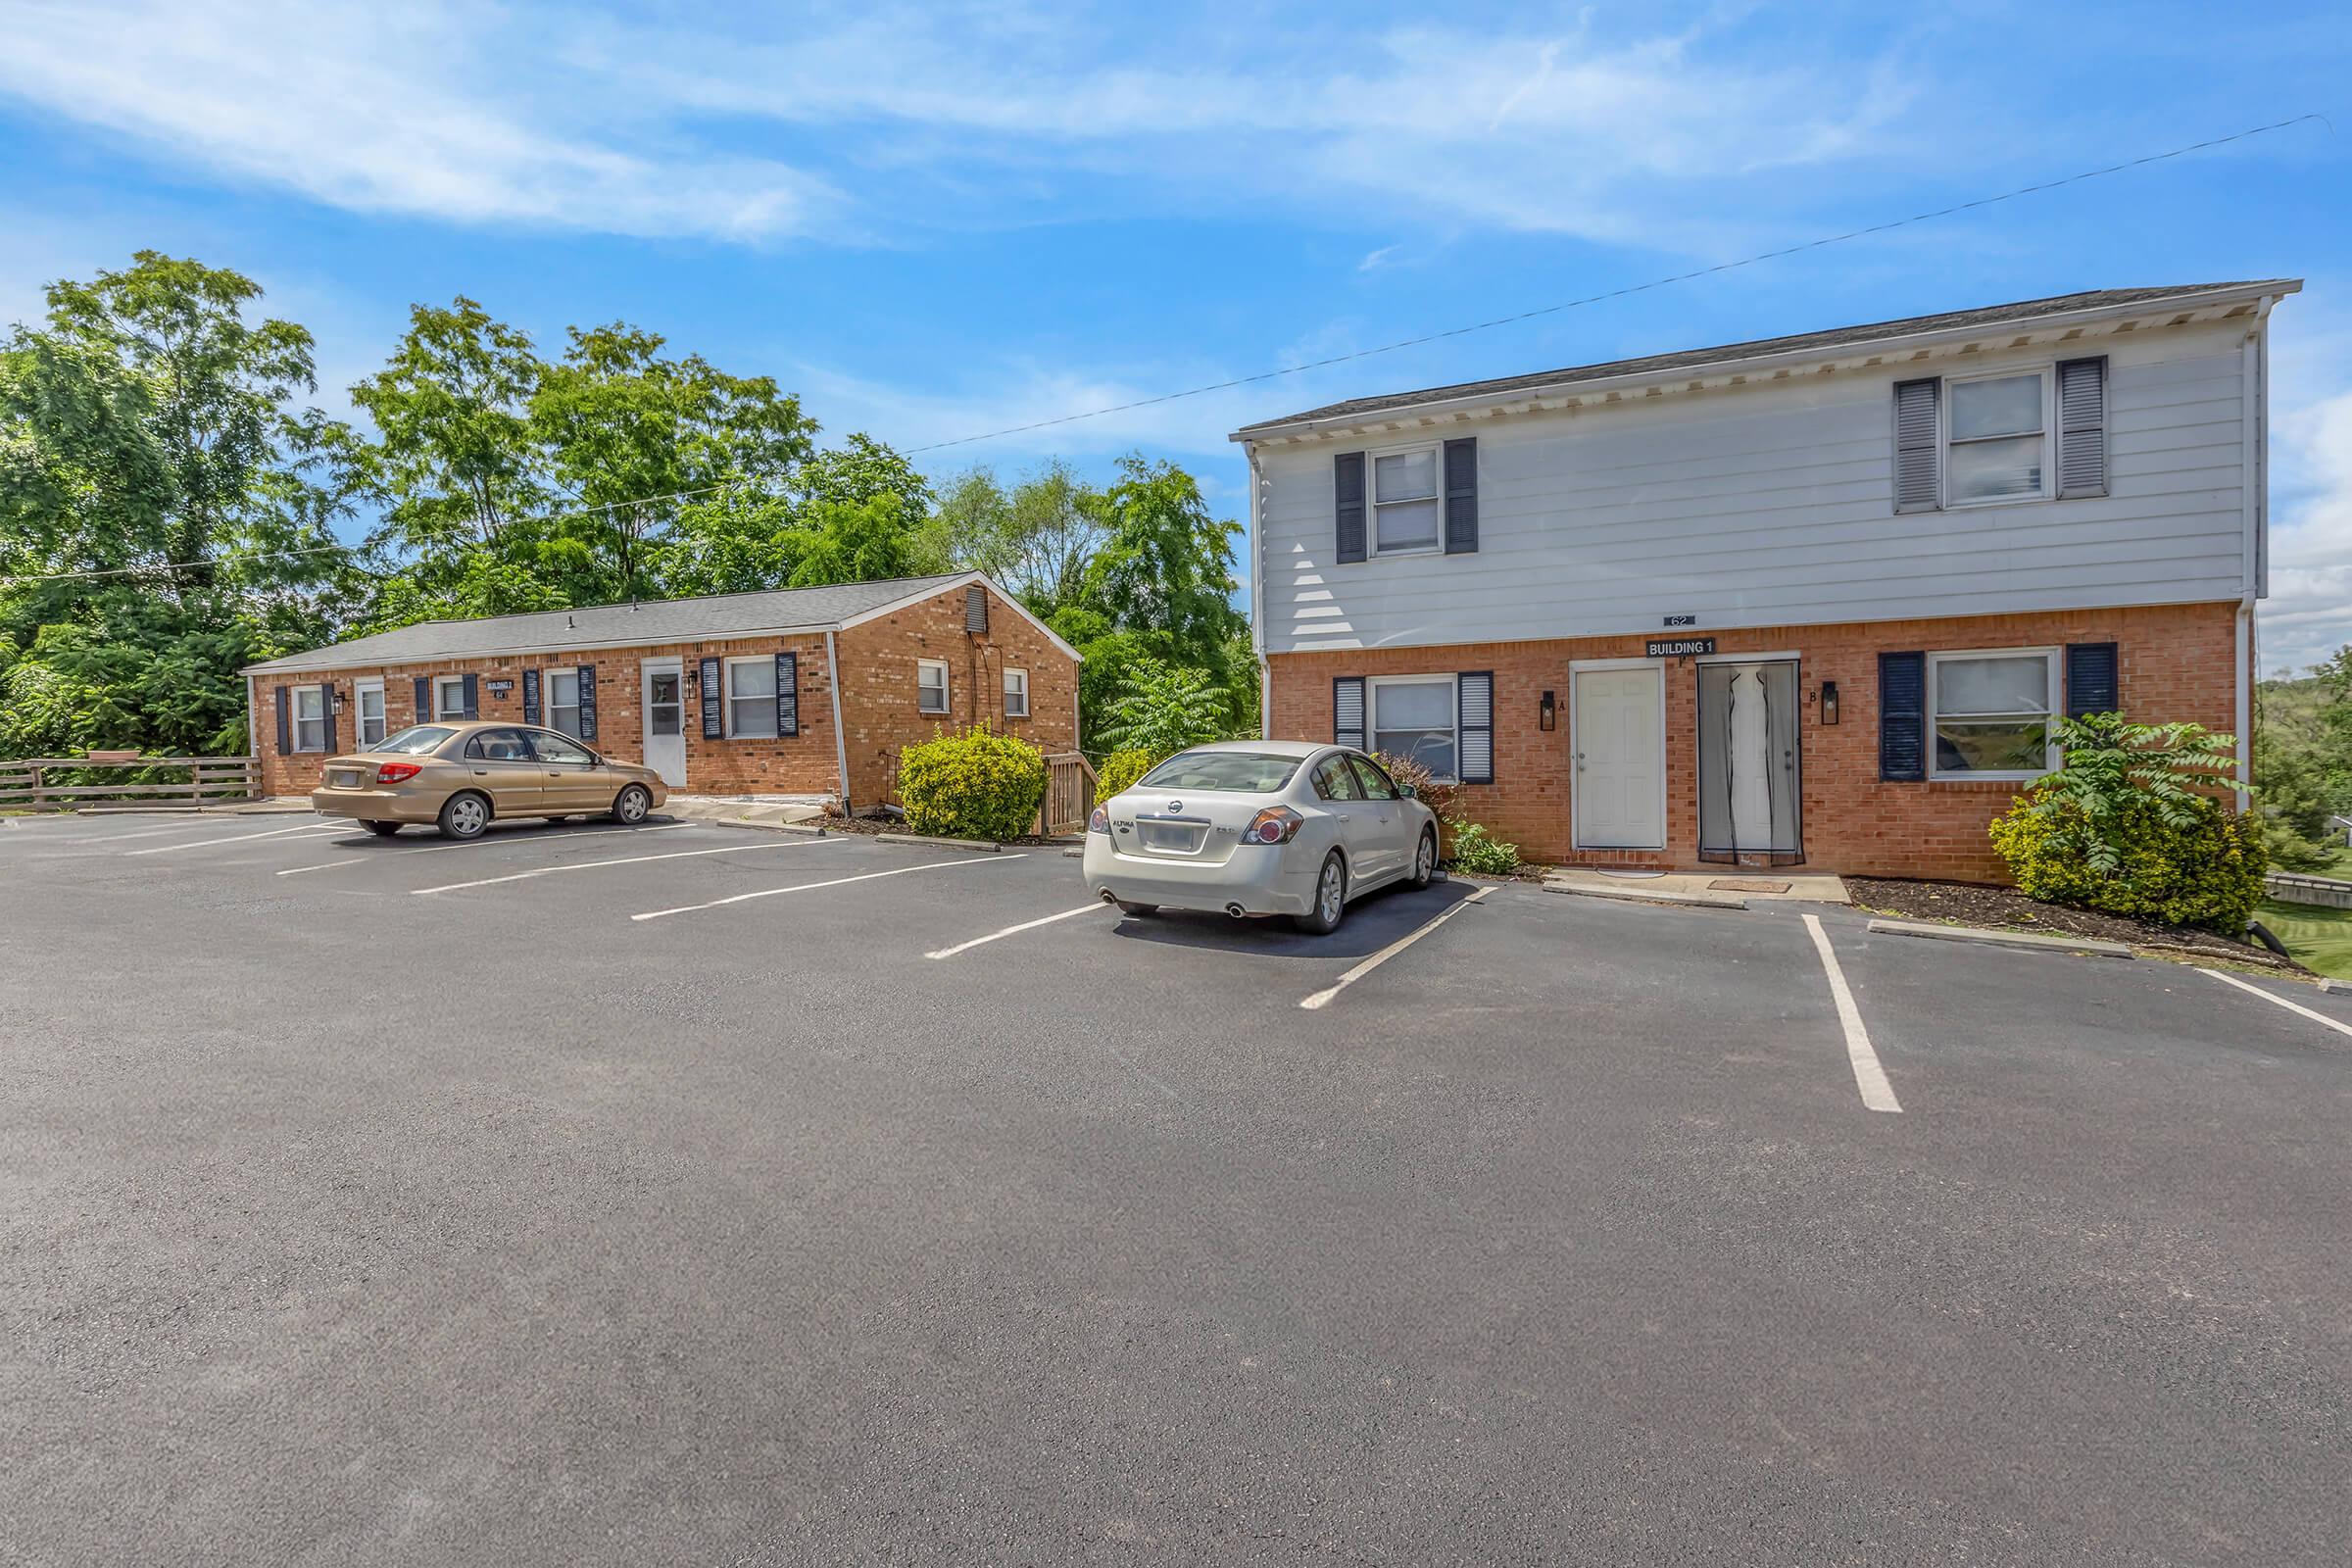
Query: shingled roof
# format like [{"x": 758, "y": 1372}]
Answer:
[{"x": 1835, "y": 338}]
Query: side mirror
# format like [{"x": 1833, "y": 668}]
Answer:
[{"x": 1408, "y": 792}]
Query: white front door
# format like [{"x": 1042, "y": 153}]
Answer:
[
  {"x": 664, "y": 704},
  {"x": 1617, "y": 725}
]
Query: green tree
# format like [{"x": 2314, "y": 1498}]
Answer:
[{"x": 1162, "y": 709}]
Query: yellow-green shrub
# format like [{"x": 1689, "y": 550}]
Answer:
[
  {"x": 1480, "y": 853},
  {"x": 1121, "y": 768},
  {"x": 2194, "y": 863},
  {"x": 972, "y": 786}
]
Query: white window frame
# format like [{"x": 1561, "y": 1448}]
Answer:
[
  {"x": 946, "y": 692},
  {"x": 295, "y": 719},
  {"x": 547, "y": 680},
  {"x": 449, "y": 699},
  {"x": 1453, "y": 688},
  {"x": 1010, "y": 677},
  {"x": 727, "y": 698},
  {"x": 2057, "y": 707},
  {"x": 1437, "y": 460},
  {"x": 359, "y": 712},
  {"x": 2049, "y": 374}
]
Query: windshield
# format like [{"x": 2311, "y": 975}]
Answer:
[
  {"x": 415, "y": 740},
  {"x": 1245, "y": 772}
]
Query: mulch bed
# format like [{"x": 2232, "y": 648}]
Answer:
[{"x": 2007, "y": 909}]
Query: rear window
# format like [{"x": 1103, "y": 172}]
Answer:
[
  {"x": 1243, "y": 773},
  {"x": 415, "y": 740}
]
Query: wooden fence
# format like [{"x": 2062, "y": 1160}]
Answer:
[
  {"x": 1069, "y": 794},
  {"x": 63, "y": 783}
]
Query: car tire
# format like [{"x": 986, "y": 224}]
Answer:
[
  {"x": 1138, "y": 910},
  {"x": 382, "y": 830},
  {"x": 1330, "y": 899},
  {"x": 1425, "y": 858},
  {"x": 630, "y": 805},
  {"x": 465, "y": 816}
]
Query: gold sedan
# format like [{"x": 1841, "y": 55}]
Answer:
[{"x": 462, "y": 776}]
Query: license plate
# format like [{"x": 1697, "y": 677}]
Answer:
[
  {"x": 1170, "y": 835},
  {"x": 344, "y": 778}
]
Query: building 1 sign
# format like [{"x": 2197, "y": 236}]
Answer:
[{"x": 1679, "y": 647}]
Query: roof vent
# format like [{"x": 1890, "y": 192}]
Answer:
[{"x": 975, "y": 609}]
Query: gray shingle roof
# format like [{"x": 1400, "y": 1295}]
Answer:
[
  {"x": 655, "y": 620},
  {"x": 1835, "y": 337}
]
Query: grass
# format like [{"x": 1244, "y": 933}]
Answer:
[{"x": 2319, "y": 938}]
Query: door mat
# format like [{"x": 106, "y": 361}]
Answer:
[{"x": 1746, "y": 884}]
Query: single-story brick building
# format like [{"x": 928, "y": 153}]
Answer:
[{"x": 796, "y": 691}]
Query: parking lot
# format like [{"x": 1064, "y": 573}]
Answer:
[{"x": 689, "y": 1193}]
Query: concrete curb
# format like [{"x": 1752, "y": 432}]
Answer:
[
  {"x": 977, "y": 846},
  {"x": 1692, "y": 901},
  {"x": 2334, "y": 987},
  {"x": 805, "y": 829},
  {"x": 2027, "y": 941}
]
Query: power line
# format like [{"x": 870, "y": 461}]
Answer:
[{"x": 1618, "y": 293}]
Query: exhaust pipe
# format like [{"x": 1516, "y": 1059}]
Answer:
[
  {"x": 1236, "y": 911},
  {"x": 1110, "y": 897}
]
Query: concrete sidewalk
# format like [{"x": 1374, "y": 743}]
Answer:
[{"x": 1726, "y": 889}]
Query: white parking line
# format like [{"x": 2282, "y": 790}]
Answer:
[
  {"x": 626, "y": 859},
  {"x": 1869, "y": 1077},
  {"x": 482, "y": 843},
  {"x": 2291, "y": 1007},
  {"x": 151, "y": 832},
  {"x": 839, "y": 881},
  {"x": 242, "y": 838},
  {"x": 1012, "y": 931},
  {"x": 1323, "y": 997}
]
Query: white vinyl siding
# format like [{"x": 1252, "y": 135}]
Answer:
[
  {"x": 930, "y": 686},
  {"x": 751, "y": 698},
  {"x": 1414, "y": 717},
  {"x": 564, "y": 701},
  {"x": 1016, "y": 694},
  {"x": 309, "y": 718},
  {"x": 1989, "y": 714},
  {"x": 1773, "y": 505}
]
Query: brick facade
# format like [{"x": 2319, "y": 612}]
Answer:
[
  {"x": 2179, "y": 662},
  {"x": 878, "y": 719}
]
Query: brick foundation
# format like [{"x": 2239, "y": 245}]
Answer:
[{"x": 2179, "y": 662}]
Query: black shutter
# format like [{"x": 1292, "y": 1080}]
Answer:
[
  {"x": 530, "y": 697},
  {"x": 1474, "y": 745},
  {"x": 285, "y": 719},
  {"x": 788, "y": 688},
  {"x": 2083, "y": 429},
  {"x": 473, "y": 697},
  {"x": 1902, "y": 716},
  {"x": 327, "y": 710},
  {"x": 1348, "y": 711},
  {"x": 713, "y": 726},
  {"x": 1347, "y": 487},
  {"x": 587, "y": 674},
  {"x": 1461, "y": 495},
  {"x": 424, "y": 700},
  {"x": 2091, "y": 683},
  {"x": 975, "y": 609},
  {"x": 1918, "y": 446}
]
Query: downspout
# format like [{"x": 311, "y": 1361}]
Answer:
[
  {"x": 253, "y": 734},
  {"x": 1257, "y": 603},
  {"x": 841, "y": 748},
  {"x": 2253, "y": 406}
]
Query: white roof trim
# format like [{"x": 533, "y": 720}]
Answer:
[
  {"x": 966, "y": 581},
  {"x": 279, "y": 666}
]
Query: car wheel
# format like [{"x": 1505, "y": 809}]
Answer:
[
  {"x": 1138, "y": 910},
  {"x": 382, "y": 830},
  {"x": 465, "y": 816},
  {"x": 631, "y": 804},
  {"x": 1330, "y": 899},
  {"x": 1425, "y": 858}
]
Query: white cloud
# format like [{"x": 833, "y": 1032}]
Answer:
[{"x": 2307, "y": 615}]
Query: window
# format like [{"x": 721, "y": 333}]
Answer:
[
  {"x": 309, "y": 718},
  {"x": 751, "y": 698},
  {"x": 1414, "y": 718},
  {"x": 1378, "y": 786},
  {"x": 499, "y": 745},
  {"x": 564, "y": 701},
  {"x": 1405, "y": 509},
  {"x": 415, "y": 740},
  {"x": 1996, "y": 440},
  {"x": 930, "y": 686},
  {"x": 1243, "y": 772},
  {"x": 1016, "y": 694},
  {"x": 449, "y": 696},
  {"x": 1335, "y": 780},
  {"x": 367, "y": 713},
  {"x": 558, "y": 750},
  {"x": 1988, "y": 714}
]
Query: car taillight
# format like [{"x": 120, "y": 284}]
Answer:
[
  {"x": 1099, "y": 823},
  {"x": 395, "y": 772},
  {"x": 1276, "y": 824}
]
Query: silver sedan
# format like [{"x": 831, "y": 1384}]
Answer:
[{"x": 1260, "y": 827}]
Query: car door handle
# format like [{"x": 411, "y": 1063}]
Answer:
[{"x": 1343, "y": 817}]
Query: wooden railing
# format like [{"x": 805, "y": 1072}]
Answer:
[
  {"x": 63, "y": 783},
  {"x": 1069, "y": 794}
]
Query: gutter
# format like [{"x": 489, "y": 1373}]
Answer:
[
  {"x": 1257, "y": 596},
  {"x": 841, "y": 750}
]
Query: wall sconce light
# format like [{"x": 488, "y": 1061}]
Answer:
[
  {"x": 1546, "y": 714},
  {"x": 1828, "y": 702}
]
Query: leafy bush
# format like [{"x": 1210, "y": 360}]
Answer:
[
  {"x": 1164, "y": 709},
  {"x": 973, "y": 785},
  {"x": 1477, "y": 850},
  {"x": 2129, "y": 825},
  {"x": 1121, "y": 768},
  {"x": 1438, "y": 797}
]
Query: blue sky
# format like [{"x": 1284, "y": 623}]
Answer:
[{"x": 933, "y": 221}]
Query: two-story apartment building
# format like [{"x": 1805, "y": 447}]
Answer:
[{"x": 1810, "y": 599}]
